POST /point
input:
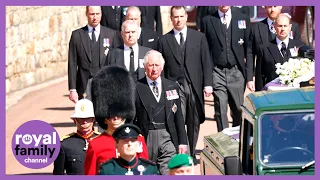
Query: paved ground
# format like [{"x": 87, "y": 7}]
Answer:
[{"x": 51, "y": 104}]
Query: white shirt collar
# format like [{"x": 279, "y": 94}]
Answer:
[
  {"x": 114, "y": 6},
  {"x": 158, "y": 80},
  {"x": 228, "y": 13},
  {"x": 159, "y": 85},
  {"x": 286, "y": 41},
  {"x": 134, "y": 47},
  {"x": 184, "y": 32},
  {"x": 97, "y": 28},
  {"x": 269, "y": 21}
]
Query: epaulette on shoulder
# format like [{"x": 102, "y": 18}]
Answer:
[
  {"x": 106, "y": 162},
  {"x": 148, "y": 161},
  {"x": 99, "y": 134},
  {"x": 96, "y": 132},
  {"x": 67, "y": 136},
  {"x": 140, "y": 135}
]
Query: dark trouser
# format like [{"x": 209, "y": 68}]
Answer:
[
  {"x": 161, "y": 149},
  {"x": 190, "y": 109},
  {"x": 228, "y": 87}
]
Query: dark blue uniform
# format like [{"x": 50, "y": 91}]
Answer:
[{"x": 72, "y": 155}]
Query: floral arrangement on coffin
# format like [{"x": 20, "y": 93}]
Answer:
[
  {"x": 295, "y": 71},
  {"x": 292, "y": 73}
]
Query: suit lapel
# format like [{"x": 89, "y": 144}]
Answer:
[
  {"x": 274, "y": 51},
  {"x": 120, "y": 57},
  {"x": 140, "y": 40},
  {"x": 189, "y": 42},
  {"x": 234, "y": 29},
  {"x": 102, "y": 56},
  {"x": 264, "y": 31},
  {"x": 141, "y": 71},
  {"x": 291, "y": 44},
  {"x": 216, "y": 23},
  {"x": 85, "y": 41},
  {"x": 143, "y": 91},
  {"x": 165, "y": 87},
  {"x": 173, "y": 45}
]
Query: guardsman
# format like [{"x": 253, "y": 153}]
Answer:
[
  {"x": 113, "y": 97},
  {"x": 181, "y": 164},
  {"x": 74, "y": 145},
  {"x": 128, "y": 163}
]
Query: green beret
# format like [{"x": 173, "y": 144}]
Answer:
[{"x": 180, "y": 160}]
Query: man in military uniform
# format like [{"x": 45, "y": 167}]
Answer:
[
  {"x": 128, "y": 163},
  {"x": 73, "y": 146},
  {"x": 181, "y": 164}
]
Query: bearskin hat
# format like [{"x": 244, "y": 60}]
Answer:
[{"x": 113, "y": 94}]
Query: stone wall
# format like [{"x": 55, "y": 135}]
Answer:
[
  {"x": 165, "y": 17},
  {"x": 37, "y": 41}
]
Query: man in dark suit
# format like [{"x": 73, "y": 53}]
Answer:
[
  {"x": 228, "y": 32},
  {"x": 276, "y": 51},
  {"x": 158, "y": 113},
  {"x": 146, "y": 37},
  {"x": 130, "y": 55},
  {"x": 112, "y": 17},
  {"x": 87, "y": 52},
  {"x": 244, "y": 9},
  {"x": 188, "y": 62},
  {"x": 149, "y": 16},
  {"x": 263, "y": 32},
  {"x": 203, "y": 11}
]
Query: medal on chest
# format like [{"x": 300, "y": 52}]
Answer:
[
  {"x": 129, "y": 172},
  {"x": 141, "y": 169}
]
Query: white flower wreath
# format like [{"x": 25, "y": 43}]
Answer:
[{"x": 295, "y": 70}]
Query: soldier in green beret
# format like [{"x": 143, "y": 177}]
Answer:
[
  {"x": 181, "y": 164},
  {"x": 128, "y": 163}
]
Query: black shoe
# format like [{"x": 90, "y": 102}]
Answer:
[{"x": 195, "y": 160}]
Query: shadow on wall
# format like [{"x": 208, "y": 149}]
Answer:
[
  {"x": 60, "y": 108},
  {"x": 68, "y": 124}
]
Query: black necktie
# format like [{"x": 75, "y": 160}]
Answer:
[
  {"x": 181, "y": 40},
  {"x": 283, "y": 49},
  {"x": 155, "y": 88},
  {"x": 131, "y": 68},
  {"x": 224, "y": 18},
  {"x": 93, "y": 40}
]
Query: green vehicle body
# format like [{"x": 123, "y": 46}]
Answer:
[{"x": 265, "y": 104}]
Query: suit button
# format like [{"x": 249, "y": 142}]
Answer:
[{"x": 73, "y": 160}]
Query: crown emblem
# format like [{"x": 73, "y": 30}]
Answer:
[
  {"x": 127, "y": 130},
  {"x": 82, "y": 108}
]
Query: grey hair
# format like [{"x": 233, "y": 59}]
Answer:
[
  {"x": 126, "y": 23},
  {"x": 135, "y": 8},
  {"x": 155, "y": 54}
]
